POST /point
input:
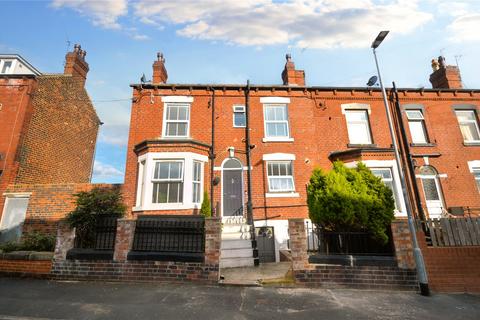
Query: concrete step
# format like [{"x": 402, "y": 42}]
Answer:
[
  {"x": 227, "y": 228},
  {"x": 237, "y": 244},
  {"x": 236, "y": 262},
  {"x": 237, "y": 253},
  {"x": 236, "y": 236},
  {"x": 234, "y": 220}
]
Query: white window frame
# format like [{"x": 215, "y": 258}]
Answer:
[
  {"x": 266, "y": 138},
  {"x": 475, "y": 121},
  {"x": 474, "y": 167},
  {"x": 424, "y": 139},
  {"x": 291, "y": 177},
  {"x": 363, "y": 122},
  {"x": 167, "y": 180},
  {"x": 239, "y": 109},
  {"x": 392, "y": 165},
  {"x": 165, "y": 121},
  {"x": 8, "y": 197},
  {"x": 197, "y": 182},
  {"x": 141, "y": 183},
  {"x": 187, "y": 157}
]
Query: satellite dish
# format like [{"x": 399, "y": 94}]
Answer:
[
  {"x": 372, "y": 81},
  {"x": 143, "y": 79}
]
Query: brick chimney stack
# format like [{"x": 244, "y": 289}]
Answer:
[
  {"x": 290, "y": 75},
  {"x": 445, "y": 77},
  {"x": 160, "y": 74},
  {"x": 76, "y": 65}
]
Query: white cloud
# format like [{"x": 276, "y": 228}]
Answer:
[
  {"x": 115, "y": 135},
  {"x": 104, "y": 13},
  {"x": 465, "y": 28},
  {"x": 105, "y": 171},
  {"x": 316, "y": 24}
]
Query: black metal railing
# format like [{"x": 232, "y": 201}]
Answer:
[
  {"x": 174, "y": 234},
  {"x": 347, "y": 243},
  {"x": 101, "y": 237},
  {"x": 238, "y": 212}
]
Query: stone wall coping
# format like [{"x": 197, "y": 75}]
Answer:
[{"x": 26, "y": 255}]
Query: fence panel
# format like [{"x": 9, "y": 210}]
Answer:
[
  {"x": 447, "y": 232},
  {"x": 102, "y": 237}
]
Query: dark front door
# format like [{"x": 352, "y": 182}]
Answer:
[
  {"x": 232, "y": 192},
  {"x": 265, "y": 244}
]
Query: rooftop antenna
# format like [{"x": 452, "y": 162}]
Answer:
[{"x": 457, "y": 58}]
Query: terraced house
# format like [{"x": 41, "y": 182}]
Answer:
[{"x": 253, "y": 148}]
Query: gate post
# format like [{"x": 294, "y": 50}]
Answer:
[
  {"x": 213, "y": 240},
  {"x": 298, "y": 244},
  {"x": 65, "y": 241},
  {"x": 123, "y": 239}
]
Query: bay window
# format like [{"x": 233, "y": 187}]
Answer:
[{"x": 168, "y": 182}]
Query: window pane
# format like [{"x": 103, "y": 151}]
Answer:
[
  {"x": 164, "y": 168},
  {"x": 175, "y": 192},
  {"x": 414, "y": 115},
  {"x": 239, "y": 119},
  {"x": 196, "y": 192},
  {"x": 171, "y": 129},
  {"x": 13, "y": 219},
  {"x": 283, "y": 169},
  {"x": 181, "y": 129},
  {"x": 417, "y": 131},
  {"x": 281, "y": 113},
  {"x": 359, "y": 133},
  {"x": 356, "y": 115},
  {"x": 172, "y": 113},
  {"x": 469, "y": 131},
  {"x": 277, "y": 130},
  {"x": 175, "y": 170},
  {"x": 160, "y": 191},
  {"x": 6, "y": 66},
  {"x": 269, "y": 113},
  {"x": 465, "y": 115},
  {"x": 430, "y": 189},
  {"x": 182, "y": 113},
  {"x": 382, "y": 173}
]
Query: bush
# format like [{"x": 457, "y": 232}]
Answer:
[
  {"x": 92, "y": 205},
  {"x": 350, "y": 200},
  {"x": 33, "y": 241},
  {"x": 206, "y": 209}
]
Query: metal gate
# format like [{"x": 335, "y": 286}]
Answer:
[{"x": 265, "y": 244}]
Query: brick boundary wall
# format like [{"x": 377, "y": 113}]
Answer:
[
  {"x": 139, "y": 271},
  {"x": 26, "y": 264},
  {"x": 451, "y": 269},
  {"x": 334, "y": 276}
]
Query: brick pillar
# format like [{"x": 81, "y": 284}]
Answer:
[
  {"x": 298, "y": 244},
  {"x": 213, "y": 240},
  {"x": 65, "y": 241},
  {"x": 124, "y": 238},
  {"x": 403, "y": 244}
]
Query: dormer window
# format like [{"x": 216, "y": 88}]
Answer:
[{"x": 6, "y": 66}]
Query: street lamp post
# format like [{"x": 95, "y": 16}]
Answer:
[{"x": 417, "y": 253}]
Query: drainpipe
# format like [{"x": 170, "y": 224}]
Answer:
[
  {"x": 408, "y": 155},
  {"x": 249, "y": 173},
  {"x": 212, "y": 152}
]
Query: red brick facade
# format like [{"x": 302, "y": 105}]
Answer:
[{"x": 318, "y": 135}]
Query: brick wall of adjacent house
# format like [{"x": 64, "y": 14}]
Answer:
[
  {"x": 49, "y": 203},
  {"x": 60, "y": 143},
  {"x": 451, "y": 269},
  {"x": 15, "y": 114},
  {"x": 318, "y": 128}
]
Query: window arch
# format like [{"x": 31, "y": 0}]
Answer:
[
  {"x": 232, "y": 164},
  {"x": 427, "y": 170}
]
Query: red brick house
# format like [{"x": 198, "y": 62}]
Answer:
[
  {"x": 48, "y": 131},
  {"x": 189, "y": 138}
]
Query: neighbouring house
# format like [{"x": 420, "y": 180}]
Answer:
[
  {"x": 189, "y": 138},
  {"x": 48, "y": 132}
]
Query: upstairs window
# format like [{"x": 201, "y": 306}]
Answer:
[
  {"x": 358, "y": 127},
  {"x": 280, "y": 177},
  {"x": 476, "y": 174},
  {"x": 168, "y": 182},
  {"x": 416, "y": 123},
  {"x": 467, "y": 120},
  {"x": 177, "y": 119},
  {"x": 276, "y": 121},
  {"x": 239, "y": 117},
  {"x": 6, "y": 67}
]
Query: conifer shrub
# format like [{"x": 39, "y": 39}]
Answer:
[
  {"x": 350, "y": 200},
  {"x": 206, "y": 209}
]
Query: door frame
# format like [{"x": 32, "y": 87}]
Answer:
[{"x": 242, "y": 182}]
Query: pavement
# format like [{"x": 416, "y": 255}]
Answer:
[
  {"x": 28, "y": 299},
  {"x": 265, "y": 273}
]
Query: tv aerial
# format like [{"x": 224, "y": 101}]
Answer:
[{"x": 372, "y": 81}]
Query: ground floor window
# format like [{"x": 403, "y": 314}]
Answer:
[
  {"x": 387, "y": 178},
  {"x": 169, "y": 181}
]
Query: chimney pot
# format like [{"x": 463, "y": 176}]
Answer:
[
  {"x": 76, "y": 65},
  {"x": 445, "y": 77},
  {"x": 292, "y": 76},
  {"x": 160, "y": 74}
]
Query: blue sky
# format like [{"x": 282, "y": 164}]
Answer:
[{"x": 230, "y": 41}]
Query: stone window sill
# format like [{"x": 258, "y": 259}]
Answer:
[
  {"x": 282, "y": 195},
  {"x": 423, "y": 145}
]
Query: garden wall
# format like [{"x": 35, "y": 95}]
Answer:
[{"x": 26, "y": 264}]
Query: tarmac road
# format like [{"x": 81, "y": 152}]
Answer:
[{"x": 28, "y": 299}]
